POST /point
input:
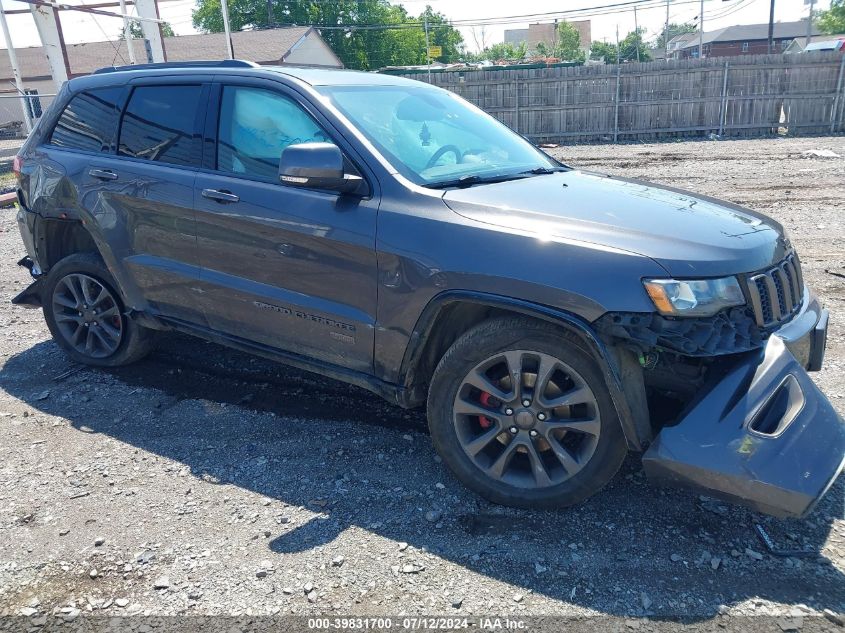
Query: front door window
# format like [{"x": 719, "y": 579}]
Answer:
[{"x": 255, "y": 126}]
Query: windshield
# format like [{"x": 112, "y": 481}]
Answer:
[{"x": 434, "y": 137}]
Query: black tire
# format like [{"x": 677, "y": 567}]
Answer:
[
  {"x": 132, "y": 342},
  {"x": 605, "y": 443}
]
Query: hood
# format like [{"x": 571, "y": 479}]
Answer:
[{"x": 689, "y": 235}]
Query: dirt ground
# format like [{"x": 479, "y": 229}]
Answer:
[{"x": 203, "y": 481}]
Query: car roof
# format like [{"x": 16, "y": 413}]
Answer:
[
  {"x": 340, "y": 77},
  {"x": 308, "y": 75}
]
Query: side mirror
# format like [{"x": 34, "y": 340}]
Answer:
[{"x": 316, "y": 166}]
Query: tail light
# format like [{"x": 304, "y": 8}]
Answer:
[{"x": 17, "y": 164}]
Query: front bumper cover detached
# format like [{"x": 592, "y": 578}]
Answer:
[{"x": 764, "y": 436}]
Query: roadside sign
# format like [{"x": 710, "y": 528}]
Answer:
[{"x": 435, "y": 51}]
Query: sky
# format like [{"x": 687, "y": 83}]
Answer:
[{"x": 78, "y": 27}]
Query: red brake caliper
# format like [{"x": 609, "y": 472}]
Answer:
[{"x": 484, "y": 399}]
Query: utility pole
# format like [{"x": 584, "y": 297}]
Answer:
[
  {"x": 666, "y": 36},
  {"x": 127, "y": 33},
  {"x": 13, "y": 60},
  {"x": 771, "y": 26},
  {"x": 230, "y": 51},
  {"x": 427, "y": 48},
  {"x": 810, "y": 24},
  {"x": 637, "y": 31},
  {"x": 270, "y": 13},
  {"x": 701, "y": 31}
]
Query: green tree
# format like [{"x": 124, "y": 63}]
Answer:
[
  {"x": 136, "y": 31},
  {"x": 627, "y": 49},
  {"x": 567, "y": 47},
  {"x": 397, "y": 40},
  {"x": 441, "y": 33},
  {"x": 674, "y": 30},
  {"x": 569, "y": 43},
  {"x": 603, "y": 50},
  {"x": 501, "y": 51},
  {"x": 832, "y": 21}
]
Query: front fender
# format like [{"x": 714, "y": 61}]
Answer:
[{"x": 612, "y": 365}]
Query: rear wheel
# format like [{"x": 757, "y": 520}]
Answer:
[
  {"x": 521, "y": 414},
  {"x": 86, "y": 315}
]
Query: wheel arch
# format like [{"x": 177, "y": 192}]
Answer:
[
  {"x": 58, "y": 237},
  {"x": 451, "y": 313}
]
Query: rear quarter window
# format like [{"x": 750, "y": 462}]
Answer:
[
  {"x": 161, "y": 124},
  {"x": 89, "y": 121}
]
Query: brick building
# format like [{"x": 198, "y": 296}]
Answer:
[
  {"x": 742, "y": 39},
  {"x": 547, "y": 34}
]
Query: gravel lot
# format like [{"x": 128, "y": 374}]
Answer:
[{"x": 203, "y": 481}]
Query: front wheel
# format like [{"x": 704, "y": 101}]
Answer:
[{"x": 521, "y": 415}]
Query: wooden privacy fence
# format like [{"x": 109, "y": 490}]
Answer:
[{"x": 757, "y": 95}]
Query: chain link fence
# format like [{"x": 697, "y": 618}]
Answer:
[
  {"x": 13, "y": 123},
  {"x": 13, "y": 128}
]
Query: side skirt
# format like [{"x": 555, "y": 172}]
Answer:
[{"x": 392, "y": 393}]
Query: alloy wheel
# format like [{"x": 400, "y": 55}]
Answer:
[
  {"x": 527, "y": 419},
  {"x": 87, "y": 315}
]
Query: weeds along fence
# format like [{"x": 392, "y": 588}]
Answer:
[{"x": 758, "y": 95}]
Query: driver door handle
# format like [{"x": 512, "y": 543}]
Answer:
[
  {"x": 220, "y": 195},
  {"x": 103, "y": 174}
]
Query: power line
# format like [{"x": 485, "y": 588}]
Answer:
[
  {"x": 622, "y": 7},
  {"x": 731, "y": 10},
  {"x": 525, "y": 17},
  {"x": 583, "y": 12},
  {"x": 717, "y": 13},
  {"x": 103, "y": 31},
  {"x": 628, "y": 4},
  {"x": 502, "y": 20}
]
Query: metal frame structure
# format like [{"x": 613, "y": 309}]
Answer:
[{"x": 45, "y": 13}]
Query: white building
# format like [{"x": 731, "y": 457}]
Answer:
[{"x": 295, "y": 46}]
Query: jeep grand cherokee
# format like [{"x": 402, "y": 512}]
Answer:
[{"x": 387, "y": 233}]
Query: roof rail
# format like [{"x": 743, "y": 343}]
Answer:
[{"x": 223, "y": 63}]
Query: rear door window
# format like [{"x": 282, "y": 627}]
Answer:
[
  {"x": 161, "y": 124},
  {"x": 89, "y": 121}
]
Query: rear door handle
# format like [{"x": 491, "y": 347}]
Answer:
[
  {"x": 220, "y": 196},
  {"x": 103, "y": 174}
]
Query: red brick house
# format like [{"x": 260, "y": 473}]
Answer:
[{"x": 739, "y": 40}]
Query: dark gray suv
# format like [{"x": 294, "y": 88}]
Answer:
[{"x": 387, "y": 233}]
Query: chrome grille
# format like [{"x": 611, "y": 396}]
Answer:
[{"x": 776, "y": 294}]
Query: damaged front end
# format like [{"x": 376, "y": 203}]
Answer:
[
  {"x": 745, "y": 422},
  {"x": 762, "y": 435}
]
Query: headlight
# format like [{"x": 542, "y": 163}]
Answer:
[{"x": 703, "y": 297}]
